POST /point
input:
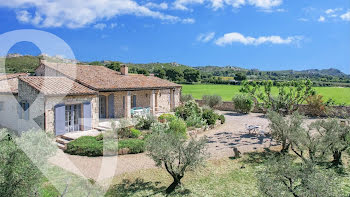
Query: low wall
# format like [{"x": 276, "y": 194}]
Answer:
[{"x": 335, "y": 111}]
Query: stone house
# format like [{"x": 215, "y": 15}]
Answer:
[{"x": 63, "y": 98}]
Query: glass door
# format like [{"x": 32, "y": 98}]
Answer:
[
  {"x": 73, "y": 117},
  {"x": 102, "y": 100}
]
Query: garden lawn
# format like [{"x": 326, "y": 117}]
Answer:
[{"x": 339, "y": 94}]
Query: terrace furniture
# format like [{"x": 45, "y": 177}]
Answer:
[{"x": 251, "y": 128}]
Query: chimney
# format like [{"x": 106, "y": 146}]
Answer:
[{"x": 124, "y": 69}]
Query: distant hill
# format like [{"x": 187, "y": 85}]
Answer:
[{"x": 18, "y": 63}]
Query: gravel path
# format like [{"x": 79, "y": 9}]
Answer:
[{"x": 221, "y": 142}]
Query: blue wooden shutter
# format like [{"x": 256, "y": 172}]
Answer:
[
  {"x": 19, "y": 110},
  {"x": 111, "y": 106},
  {"x": 60, "y": 119},
  {"x": 87, "y": 116},
  {"x": 134, "y": 101},
  {"x": 26, "y": 111}
]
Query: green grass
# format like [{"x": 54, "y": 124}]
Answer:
[{"x": 339, "y": 94}]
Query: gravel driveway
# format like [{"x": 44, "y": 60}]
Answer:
[{"x": 221, "y": 142}]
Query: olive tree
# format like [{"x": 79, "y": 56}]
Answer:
[
  {"x": 335, "y": 137},
  {"x": 282, "y": 176},
  {"x": 19, "y": 175},
  {"x": 289, "y": 96},
  {"x": 212, "y": 100},
  {"x": 174, "y": 153},
  {"x": 282, "y": 128}
]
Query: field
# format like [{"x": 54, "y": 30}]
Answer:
[{"x": 339, "y": 94}]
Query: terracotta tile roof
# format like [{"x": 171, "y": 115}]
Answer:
[
  {"x": 101, "y": 78},
  {"x": 4, "y": 76},
  {"x": 57, "y": 86},
  {"x": 9, "y": 83}
]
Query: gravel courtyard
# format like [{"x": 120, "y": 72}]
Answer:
[{"x": 221, "y": 142}]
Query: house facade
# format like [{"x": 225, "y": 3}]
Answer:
[{"x": 63, "y": 98}]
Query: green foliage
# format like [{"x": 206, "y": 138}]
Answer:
[
  {"x": 282, "y": 176},
  {"x": 222, "y": 119},
  {"x": 85, "y": 146},
  {"x": 290, "y": 94},
  {"x": 188, "y": 109},
  {"x": 134, "y": 145},
  {"x": 335, "y": 138},
  {"x": 191, "y": 75},
  {"x": 186, "y": 97},
  {"x": 243, "y": 103},
  {"x": 210, "y": 116},
  {"x": 240, "y": 77},
  {"x": 142, "y": 71},
  {"x": 282, "y": 128},
  {"x": 166, "y": 117},
  {"x": 21, "y": 64},
  {"x": 134, "y": 133},
  {"x": 175, "y": 154},
  {"x": 212, "y": 100},
  {"x": 20, "y": 156},
  {"x": 174, "y": 74},
  {"x": 178, "y": 127},
  {"x": 159, "y": 72},
  {"x": 195, "y": 121},
  {"x": 145, "y": 122}
]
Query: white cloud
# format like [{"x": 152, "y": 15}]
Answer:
[
  {"x": 113, "y": 25},
  {"x": 346, "y": 16},
  {"x": 303, "y": 19},
  {"x": 321, "y": 19},
  {"x": 216, "y": 4},
  {"x": 331, "y": 11},
  {"x": 100, "y": 26},
  {"x": 78, "y": 13},
  {"x": 182, "y": 4},
  {"x": 188, "y": 21},
  {"x": 161, "y": 6},
  {"x": 205, "y": 37},
  {"x": 233, "y": 37}
]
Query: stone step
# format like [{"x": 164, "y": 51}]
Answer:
[
  {"x": 101, "y": 128},
  {"x": 62, "y": 141},
  {"x": 66, "y": 138},
  {"x": 61, "y": 146}
]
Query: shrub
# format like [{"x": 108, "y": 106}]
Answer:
[
  {"x": 243, "y": 103},
  {"x": 178, "y": 126},
  {"x": 188, "y": 109},
  {"x": 316, "y": 106},
  {"x": 145, "y": 122},
  {"x": 195, "y": 121},
  {"x": 134, "y": 133},
  {"x": 134, "y": 145},
  {"x": 222, "y": 119},
  {"x": 186, "y": 97},
  {"x": 99, "y": 137},
  {"x": 212, "y": 100},
  {"x": 110, "y": 146},
  {"x": 210, "y": 116},
  {"x": 166, "y": 117},
  {"x": 85, "y": 146}
]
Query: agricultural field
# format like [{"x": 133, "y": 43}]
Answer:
[{"x": 339, "y": 94}]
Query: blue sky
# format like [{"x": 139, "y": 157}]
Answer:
[{"x": 263, "y": 34}]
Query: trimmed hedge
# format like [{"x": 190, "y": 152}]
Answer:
[
  {"x": 94, "y": 146},
  {"x": 134, "y": 145},
  {"x": 85, "y": 146}
]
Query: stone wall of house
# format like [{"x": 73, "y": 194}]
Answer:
[
  {"x": 51, "y": 102},
  {"x": 8, "y": 111},
  {"x": 177, "y": 97},
  {"x": 163, "y": 100},
  {"x": 36, "y": 101}
]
